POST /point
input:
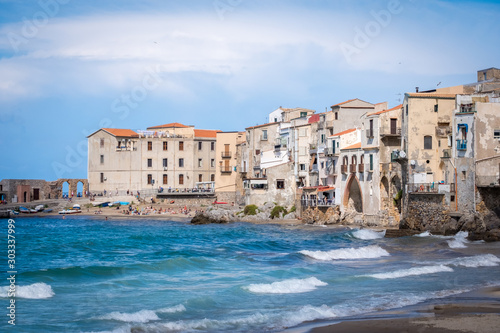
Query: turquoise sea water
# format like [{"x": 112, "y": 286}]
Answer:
[{"x": 85, "y": 274}]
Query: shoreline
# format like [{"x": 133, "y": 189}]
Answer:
[{"x": 476, "y": 311}]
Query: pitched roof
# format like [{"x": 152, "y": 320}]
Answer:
[
  {"x": 121, "y": 132},
  {"x": 263, "y": 125},
  {"x": 344, "y": 132},
  {"x": 344, "y": 102},
  {"x": 313, "y": 119},
  {"x": 199, "y": 133},
  {"x": 354, "y": 146},
  {"x": 171, "y": 125},
  {"x": 384, "y": 111}
]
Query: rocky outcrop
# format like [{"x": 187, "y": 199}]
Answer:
[
  {"x": 226, "y": 214},
  {"x": 426, "y": 215}
]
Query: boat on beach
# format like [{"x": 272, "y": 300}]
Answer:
[{"x": 74, "y": 210}]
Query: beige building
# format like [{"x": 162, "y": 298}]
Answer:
[
  {"x": 171, "y": 156},
  {"x": 228, "y": 175}
]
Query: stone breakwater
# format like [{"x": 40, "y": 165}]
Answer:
[{"x": 227, "y": 213}]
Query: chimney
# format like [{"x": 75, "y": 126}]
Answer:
[{"x": 416, "y": 89}]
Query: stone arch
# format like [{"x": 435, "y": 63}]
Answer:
[
  {"x": 73, "y": 185},
  {"x": 353, "y": 194},
  {"x": 396, "y": 184}
]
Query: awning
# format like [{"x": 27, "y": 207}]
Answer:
[
  {"x": 258, "y": 181},
  {"x": 330, "y": 188}
]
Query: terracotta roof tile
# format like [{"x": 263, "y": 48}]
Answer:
[
  {"x": 313, "y": 119},
  {"x": 199, "y": 133},
  {"x": 343, "y": 132},
  {"x": 344, "y": 102},
  {"x": 171, "y": 125},
  {"x": 263, "y": 125},
  {"x": 121, "y": 132},
  {"x": 384, "y": 111},
  {"x": 354, "y": 146}
]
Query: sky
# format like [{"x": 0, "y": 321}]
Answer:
[{"x": 70, "y": 67}]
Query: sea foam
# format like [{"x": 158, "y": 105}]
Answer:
[
  {"x": 483, "y": 260},
  {"x": 412, "y": 272},
  {"x": 142, "y": 316},
  {"x": 367, "y": 252},
  {"x": 424, "y": 234},
  {"x": 459, "y": 240},
  {"x": 173, "y": 309},
  {"x": 33, "y": 291},
  {"x": 367, "y": 234},
  {"x": 291, "y": 286}
]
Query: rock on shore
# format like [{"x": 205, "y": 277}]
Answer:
[{"x": 227, "y": 213}]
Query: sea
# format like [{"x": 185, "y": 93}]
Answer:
[{"x": 86, "y": 274}]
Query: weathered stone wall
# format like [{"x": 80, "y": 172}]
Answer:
[{"x": 426, "y": 212}]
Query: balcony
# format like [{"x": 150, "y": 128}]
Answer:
[
  {"x": 124, "y": 148},
  {"x": 461, "y": 144},
  {"x": 352, "y": 168},
  {"x": 369, "y": 133},
  {"x": 361, "y": 168},
  {"x": 446, "y": 153},
  {"x": 343, "y": 168},
  {"x": 392, "y": 132},
  {"x": 226, "y": 154},
  {"x": 330, "y": 152},
  {"x": 226, "y": 169},
  {"x": 423, "y": 188}
]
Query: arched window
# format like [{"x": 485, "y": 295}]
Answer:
[
  {"x": 354, "y": 159},
  {"x": 345, "y": 160},
  {"x": 362, "y": 159}
]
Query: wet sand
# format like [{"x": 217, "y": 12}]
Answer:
[{"x": 477, "y": 311}]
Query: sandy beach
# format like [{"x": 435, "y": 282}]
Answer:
[{"x": 477, "y": 311}]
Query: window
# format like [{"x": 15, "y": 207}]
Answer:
[
  {"x": 466, "y": 108},
  {"x": 200, "y": 177},
  {"x": 165, "y": 145},
  {"x": 275, "y": 120},
  {"x": 150, "y": 162},
  {"x": 150, "y": 145},
  {"x": 212, "y": 177},
  {"x": 345, "y": 160},
  {"x": 181, "y": 179},
  {"x": 371, "y": 161},
  {"x": 280, "y": 184},
  {"x": 336, "y": 116},
  {"x": 165, "y": 162},
  {"x": 394, "y": 126},
  {"x": 200, "y": 163},
  {"x": 322, "y": 138},
  {"x": 150, "y": 179},
  {"x": 181, "y": 162},
  {"x": 427, "y": 142},
  {"x": 322, "y": 165},
  {"x": 302, "y": 167},
  {"x": 264, "y": 134},
  {"x": 212, "y": 163},
  {"x": 303, "y": 114},
  {"x": 181, "y": 145},
  {"x": 464, "y": 175},
  {"x": 212, "y": 146},
  {"x": 354, "y": 159},
  {"x": 436, "y": 108},
  {"x": 102, "y": 177},
  {"x": 496, "y": 134},
  {"x": 371, "y": 129},
  {"x": 102, "y": 159},
  {"x": 102, "y": 143},
  {"x": 257, "y": 151},
  {"x": 165, "y": 179},
  {"x": 406, "y": 109},
  {"x": 200, "y": 145}
]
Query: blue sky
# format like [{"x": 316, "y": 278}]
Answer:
[{"x": 70, "y": 67}]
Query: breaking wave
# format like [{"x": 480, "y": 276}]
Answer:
[
  {"x": 33, "y": 291},
  {"x": 291, "y": 286},
  {"x": 412, "y": 272},
  {"x": 367, "y": 234},
  {"x": 367, "y": 252}
]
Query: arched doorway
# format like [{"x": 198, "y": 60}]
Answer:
[{"x": 353, "y": 199}]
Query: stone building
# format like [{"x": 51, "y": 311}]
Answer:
[{"x": 173, "y": 157}]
